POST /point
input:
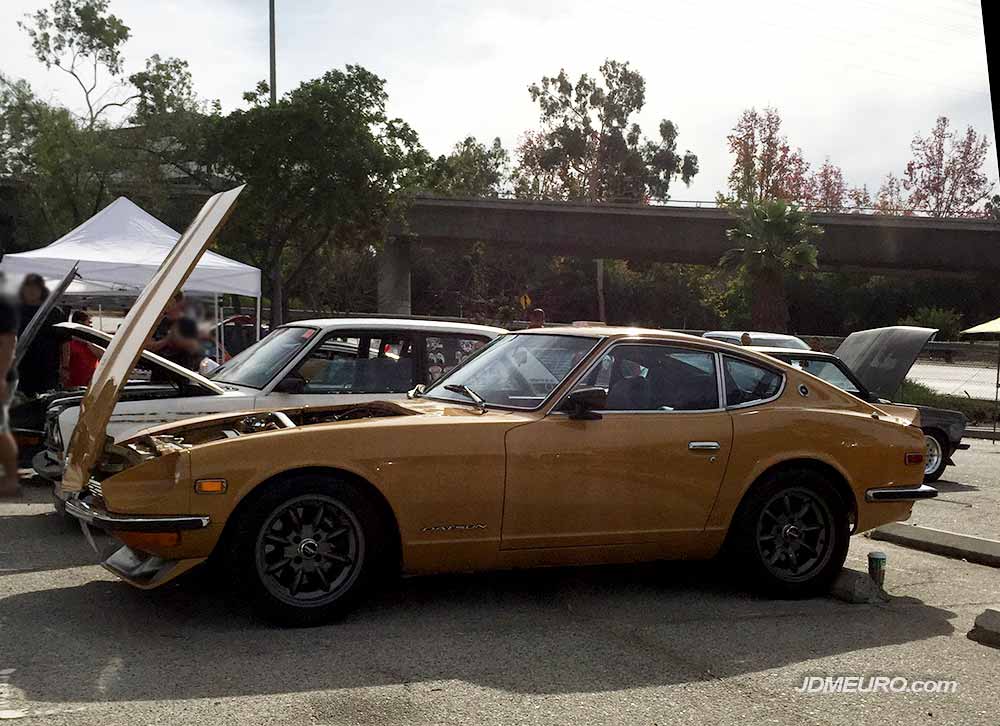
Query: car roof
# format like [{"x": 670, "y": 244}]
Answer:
[
  {"x": 797, "y": 352},
  {"x": 613, "y": 331},
  {"x": 441, "y": 326},
  {"x": 760, "y": 335}
]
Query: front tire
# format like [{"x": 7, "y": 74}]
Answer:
[
  {"x": 937, "y": 456},
  {"x": 307, "y": 548},
  {"x": 791, "y": 534}
]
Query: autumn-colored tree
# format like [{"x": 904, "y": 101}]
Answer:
[
  {"x": 945, "y": 177},
  {"x": 773, "y": 237},
  {"x": 892, "y": 197},
  {"x": 827, "y": 190},
  {"x": 765, "y": 166}
]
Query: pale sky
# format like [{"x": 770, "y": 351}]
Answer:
[{"x": 853, "y": 79}]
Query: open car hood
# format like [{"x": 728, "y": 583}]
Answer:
[
  {"x": 881, "y": 357},
  {"x": 102, "y": 339},
  {"x": 126, "y": 345}
]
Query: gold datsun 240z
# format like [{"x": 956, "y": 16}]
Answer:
[{"x": 552, "y": 446}]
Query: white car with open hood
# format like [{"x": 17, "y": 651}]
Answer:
[{"x": 310, "y": 362}]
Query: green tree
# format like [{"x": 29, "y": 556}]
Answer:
[
  {"x": 774, "y": 238},
  {"x": 590, "y": 148},
  {"x": 472, "y": 169},
  {"x": 591, "y": 145},
  {"x": 70, "y": 165},
  {"x": 325, "y": 167},
  {"x": 82, "y": 39}
]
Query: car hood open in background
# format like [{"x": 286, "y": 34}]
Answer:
[
  {"x": 102, "y": 340},
  {"x": 881, "y": 357},
  {"x": 126, "y": 345}
]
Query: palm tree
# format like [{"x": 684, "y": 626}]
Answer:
[{"x": 775, "y": 238}]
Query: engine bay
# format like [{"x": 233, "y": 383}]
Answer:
[{"x": 165, "y": 440}]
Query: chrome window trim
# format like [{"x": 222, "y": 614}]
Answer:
[
  {"x": 650, "y": 341},
  {"x": 758, "y": 402}
]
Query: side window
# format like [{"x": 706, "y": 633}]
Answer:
[
  {"x": 655, "y": 378},
  {"x": 748, "y": 382},
  {"x": 444, "y": 352},
  {"x": 358, "y": 363}
]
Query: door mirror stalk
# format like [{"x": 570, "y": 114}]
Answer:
[
  {"x": 292, "y": 384},
  {"x": 583, "y": 403}
]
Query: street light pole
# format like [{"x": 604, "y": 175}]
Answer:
[{"x": 274, "y": 89}]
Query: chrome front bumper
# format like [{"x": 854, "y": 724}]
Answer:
[
  {"x": 900, "y": 494},
  {"x": 99, "y": 517}
]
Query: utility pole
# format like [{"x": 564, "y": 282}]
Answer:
[{"x": 274, "y": 82}]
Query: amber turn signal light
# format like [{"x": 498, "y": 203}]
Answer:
[
  {"x": 914, "y": 457},
  {"x": 149, "y": 541},
  {"x": 210, "y": 486}
]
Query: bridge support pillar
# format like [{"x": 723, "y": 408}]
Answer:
[{"x": 394, "y": 277}]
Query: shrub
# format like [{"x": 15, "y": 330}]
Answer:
[{"x": 947, "y": 320}]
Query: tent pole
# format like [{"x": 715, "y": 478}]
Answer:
[
  {"x": 996, "y": 395},
  {"x": 257, "y": 321},
  {"x": 218, "y": 341}
]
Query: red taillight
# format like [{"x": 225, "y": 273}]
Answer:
[{"x": 915, "y": 458}]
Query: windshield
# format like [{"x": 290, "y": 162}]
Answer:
[
  {"x": 263, "y": 360},
  {"x": 516, "y": 371}
]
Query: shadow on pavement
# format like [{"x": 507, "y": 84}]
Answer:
[
  {"x": 43, "y": 541},
  {"x": 537, "y": 632},
  {"x": 946, "y": 487}
]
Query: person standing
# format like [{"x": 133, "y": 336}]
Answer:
[
  {"x": 9, "y": 485},
  {"x": 176, "y": 337},
  {"x": 536, "y": 318},
  {"x": 38, "y": 370},
  {"x": 80, "y": 357}
]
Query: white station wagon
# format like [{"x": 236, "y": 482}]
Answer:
[{"x": 310, "y": 362}]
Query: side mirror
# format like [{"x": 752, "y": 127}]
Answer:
[
  {"x": 291, "y": 384},
  {"x": 584, "y": 402},
  {"x": 417, "y": 391}
]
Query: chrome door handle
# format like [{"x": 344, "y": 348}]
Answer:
[{"x": 704, "y": 445}]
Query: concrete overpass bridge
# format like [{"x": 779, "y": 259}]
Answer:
[{"x": 693, "y": 235}]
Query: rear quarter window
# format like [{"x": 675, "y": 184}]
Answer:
[{"x": 748, "y": 383}]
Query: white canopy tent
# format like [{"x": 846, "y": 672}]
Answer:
[
  {"x": 119, "y": 249},
  {"x": 991, "y": 327}
]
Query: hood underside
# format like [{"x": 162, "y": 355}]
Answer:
[
  {"x": 881, "y": 357},
  {"x": 89, "y": 436}
]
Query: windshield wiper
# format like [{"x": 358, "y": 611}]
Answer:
[{"x": 468, "y": 393}]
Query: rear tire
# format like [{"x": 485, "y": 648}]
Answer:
[
  {"x": 307, "y": 548},
  {"x": 791, "y": 534},
  {"x": 937, "y": 455}
]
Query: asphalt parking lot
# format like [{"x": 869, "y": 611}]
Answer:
[
  {"x": 655, "y": 644},
  {"x": 968, "y": 498}
]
